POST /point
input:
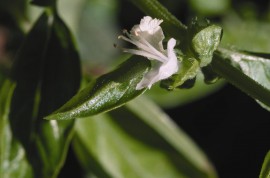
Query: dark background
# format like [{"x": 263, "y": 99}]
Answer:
[{"x": 231, "y": 128}]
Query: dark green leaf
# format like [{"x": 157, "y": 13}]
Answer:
[
  {"x": 107, "y": 92},
  {"x": 265, "y": 171},
  {"x": 138, "y": 140},
  {"x": 47, "y": 74},
  {"x": 188, "y": 70},
  {"x": 13, "y": 161},
  {"x": 249, "y": 72},
  {"x": 26, "y": 72}
]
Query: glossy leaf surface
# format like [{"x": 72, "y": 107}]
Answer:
[
  {"x": 107, "y": 92},
  {"x": 129, "y": 142}
]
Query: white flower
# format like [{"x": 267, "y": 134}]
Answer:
[{"x": 148, "y": 37}]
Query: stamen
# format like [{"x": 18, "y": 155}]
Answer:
[
  {"x": 145, "y": 46},
  {"x": 162, "y": 56},
  {"x": 141, "y": 46},
  {"x": 142, "y": 53}
]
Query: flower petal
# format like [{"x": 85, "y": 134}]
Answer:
[
  {"x": 162, "y": 70},
  {"x": 149, "y": 79},
  {"x": 149, "y": 30},
  {"x": 150, "y": 25},
  {"x": 171, "y": 66},
  {"x": 142, "y": 53},
  {"x": 148, "y": 37},
  {"x": 145, "y": 46}
]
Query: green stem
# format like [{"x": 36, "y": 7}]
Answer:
[
  {"x": 236, "y": 77},
  {"x": 171, "y": 24}
]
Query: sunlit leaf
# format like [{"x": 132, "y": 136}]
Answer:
[
  {"x": 130, "y": 142},
  {"x": 265, "y": 171},
  {"x": 107, "y": 92},
  {"x": 13, "y": 160},
  {"x": 47, "y": 74}
]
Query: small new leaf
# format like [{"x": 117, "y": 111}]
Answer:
[
  {"x": 205, "y": 39},
  {"x": 107, "y": 92}
]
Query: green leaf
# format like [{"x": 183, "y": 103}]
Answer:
[
  {"x": 265, "y": 171},
  {"x": 47, "y": 74},
  {"x": 247, "y": 71},
  {"x": 246, "y": 34},
  {"x": 205, "y": 39},
  {"x": 129, "y": 142},
  {"x": 187, "y": 70},
  {"x": 13, "y": 161},
  {"x": 26, "y": 69},
  {"x": 108, "y": 92}
]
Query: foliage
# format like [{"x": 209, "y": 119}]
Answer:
[{"x": 114, "y": 132}]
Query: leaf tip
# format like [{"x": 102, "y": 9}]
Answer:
[{"x": 49, "y": 117}]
